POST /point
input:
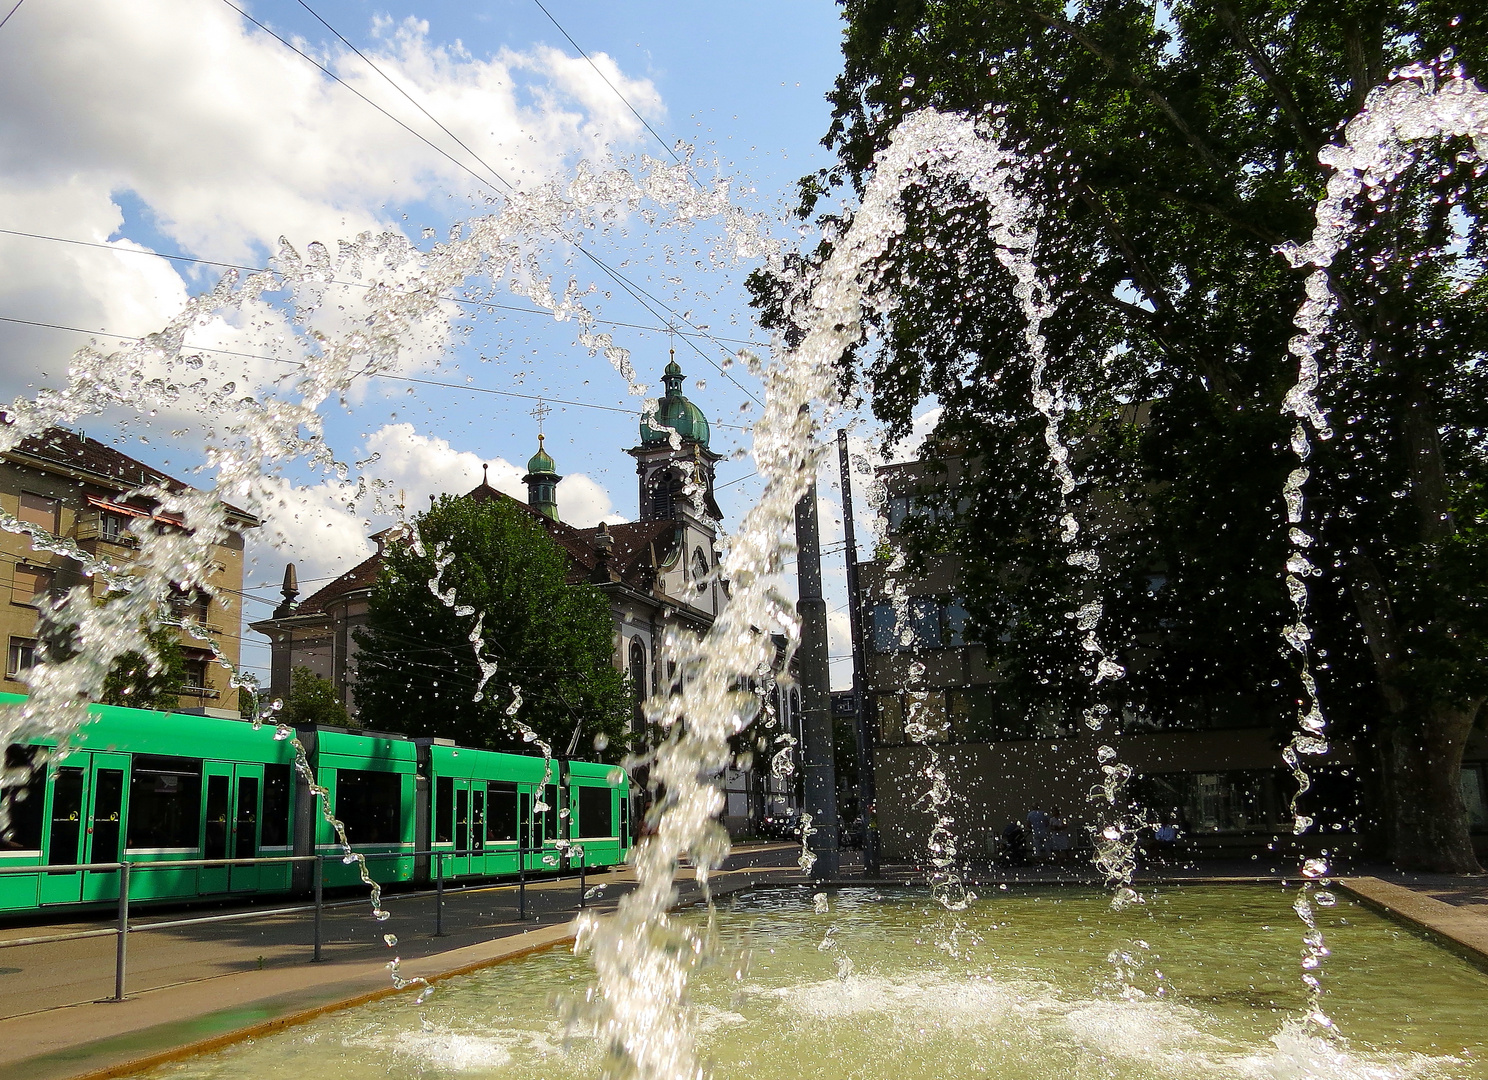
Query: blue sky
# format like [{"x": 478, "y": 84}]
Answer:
[{"x": 175, "y": 126}]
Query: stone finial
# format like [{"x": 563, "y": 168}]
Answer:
[
  {"x": 290, "y": 590},
  {"x": 604, "y": 547}
]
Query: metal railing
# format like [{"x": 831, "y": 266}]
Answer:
[{"x": 123, "y": 927}]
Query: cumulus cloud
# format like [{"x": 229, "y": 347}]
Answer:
[
  {"x": 323, "y": 528},
  {"x": 188, "y": 118}
]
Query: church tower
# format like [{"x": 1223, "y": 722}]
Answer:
[
  {"x": 676, "y": 481},
  {"x": 542, "y": 482}
]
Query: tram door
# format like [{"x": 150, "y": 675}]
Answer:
[
  {"x": 233, "y": 801},
  {"x": 86, "y": 826},
  {"x": 470, "y": 827}
]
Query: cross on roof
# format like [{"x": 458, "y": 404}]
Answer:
[{"x": 540, "y": 412}]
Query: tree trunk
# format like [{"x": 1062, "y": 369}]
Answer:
[{"x": 1419, "y": 757}]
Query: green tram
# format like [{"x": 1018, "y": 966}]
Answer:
[{"x": 123, "y": 791}]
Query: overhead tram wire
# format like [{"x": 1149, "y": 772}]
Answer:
[
  {"x": 11, "y": 12},
  {"x": 635, "y": 290},
  {"x": 370, "y": 375},
  {"x": 476, "y": 304},
  {"x": 654, "y": 133}
]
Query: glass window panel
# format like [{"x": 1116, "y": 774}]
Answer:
[
  {"x": 31, "y": 583},
  {"x": 890, "y": 719},
  {"x": 925, "y": 717},
  {"x": 164, "y": 802},
  {"x": 898, "y": 511},
  {"x": 595, "y": 817},
  {"x": 444, "y": 810},
  {"x": 957, "y": 619},
  {"x": 924, "y": 619},
  {"x": 885, "y": 635},
  {"x": 371, "y": 805},
  {"x": 22, "y": 799},
  {"x": 22, "y": 656},
  {"x": 39, "y": 510},
  {"x": 278, "y": 805},
  {"x": 501, "y": 812}
]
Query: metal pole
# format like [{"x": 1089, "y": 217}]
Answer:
[
  {"x": 438, "y": 894},
  {"x": 867, "y": 795},
  {"x": 123, "y": 947},
  {"x": 319, "y": 901},
  {"x": 583, "y": 860},
  {"x": 818, "y": 767},
  {"x": 521, "y": 883}
]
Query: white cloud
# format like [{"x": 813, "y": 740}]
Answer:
[
  {"x": 225, "y": 141},
  {"x": 323, "y": 528}
]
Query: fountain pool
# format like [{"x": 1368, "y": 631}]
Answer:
[{"x": 1021, "y": 986}]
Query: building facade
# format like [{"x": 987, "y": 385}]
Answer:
[
  {"x": 658, "y": 572},
  {"x": 82, "y": 490},
  {"x": 1221, "y": 777}
]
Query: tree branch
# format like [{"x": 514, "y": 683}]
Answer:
[
  {"x": 1136, "y": 81},
  {"x": 1274, "y": 82}
]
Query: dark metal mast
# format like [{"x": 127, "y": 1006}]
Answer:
[
  {"x": 818, "y": 766},
  {"x": 862, "y": 705}
]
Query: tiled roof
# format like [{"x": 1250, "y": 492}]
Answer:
[
  {"x": 112, "y": 468},
  {"x": 360, "y": 576},
  {"x": 630, "y": 558}
]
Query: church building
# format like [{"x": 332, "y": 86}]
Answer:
[{"x": 658, "y": 571}]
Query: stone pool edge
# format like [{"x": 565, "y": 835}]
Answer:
[
  {"x": 1457, "y": 929},
  {"x": 66, "y": 1062}
]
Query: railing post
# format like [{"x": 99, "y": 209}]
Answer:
[
  {"x": 319, "y": 902},
  {"x": 122, "y": 951},
  {"x": 439, "y": 894},
  {"x": 521, "y": 883},
  {"x": 583, "y": 865}
]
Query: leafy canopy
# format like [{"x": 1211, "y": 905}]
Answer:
[{"x": 417, "y": 671}]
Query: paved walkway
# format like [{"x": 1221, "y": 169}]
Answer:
[{"x": 212, "y": 981}]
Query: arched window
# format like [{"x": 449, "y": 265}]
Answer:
[
  {"x": 638, "y": 667},
  {"x": 699, "y": 569}
]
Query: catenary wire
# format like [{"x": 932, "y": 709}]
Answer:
[
  {"x": 11, "y": 12},
  {"x": 370, "y": 375},
  {"x": 654, "y": 133},
  {"x": 636, "y": 291},
  {"x": 478, "y": 305}
]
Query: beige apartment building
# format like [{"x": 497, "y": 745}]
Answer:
[{"x": 81, "y": 489}]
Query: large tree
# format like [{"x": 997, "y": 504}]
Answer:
[
  {"x": 1169, "y": 149},
  {"x": 417, "y": 670}
]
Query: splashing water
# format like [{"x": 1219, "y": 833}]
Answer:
[
  {"x": 643, "y": 957},
  {"x": 1377, "y": 146}
]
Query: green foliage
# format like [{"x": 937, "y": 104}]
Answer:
[
  {"x": 313, "y": 700},
  {"x": 1169, "y": 149},
  {"x": 417, "y": 671},
  {"x": 148, "y": 682}
]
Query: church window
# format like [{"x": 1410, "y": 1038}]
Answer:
[{"x": 638, "y": 667}]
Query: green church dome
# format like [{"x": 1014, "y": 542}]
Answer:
[
  {"x": 675, "y": 412},
  {"x": 540, "y": 462}
]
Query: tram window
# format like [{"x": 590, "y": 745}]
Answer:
[
  {"x": 595, "y": 818},
  {"x": 164, "y": 803},
  {"x": 22, "y": 799},
  {"x": 276, "y": 805},
  {"x": 444, "y": 810},
  {"x": 371, "y": 804},
  {"x": 550, "y": 817},
  {"x": 501, "y": 812}
]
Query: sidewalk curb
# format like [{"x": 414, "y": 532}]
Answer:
[
  {"x": 1464, "y": 933},
  {"x": 535, "y": 942}
]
